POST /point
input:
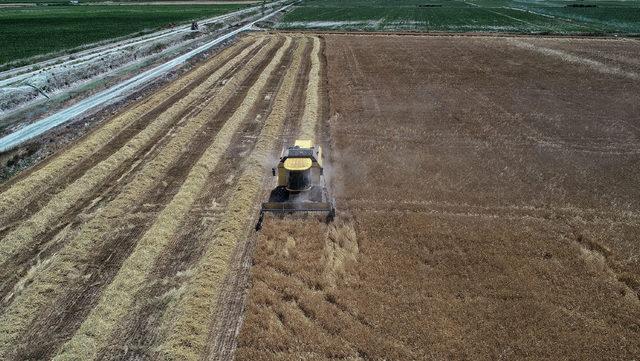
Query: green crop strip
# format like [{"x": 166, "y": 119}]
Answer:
[
  {"x": 514, "y": 16},
  {"x": 37, "y": 30}
]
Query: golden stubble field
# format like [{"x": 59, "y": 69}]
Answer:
[{"x": 487, "y": 207}]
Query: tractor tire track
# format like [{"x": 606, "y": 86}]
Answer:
[{"x": 49, "y": 292}]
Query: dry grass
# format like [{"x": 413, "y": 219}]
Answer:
[
  {"x": 188, "y": 327},
  {"x": 25, "y": 235},
  {"x": 340, "y": 252},
  {"x": 97, "y": 329},
  {"x": 312, "y": 95},
  {"x": 295, "y": 297},
  {"x": 69, "y": 264},
  {"x": 21, "y": 192}
]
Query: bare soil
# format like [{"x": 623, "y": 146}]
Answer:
[{"x": 488, "y": 207}]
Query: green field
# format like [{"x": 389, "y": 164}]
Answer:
[
  {"x": 26, "y": 32},
  {"x": 518, "y": 16}
]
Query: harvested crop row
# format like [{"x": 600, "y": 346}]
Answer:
[
  {"x": 140, "y": 332},
  {"x": 312, "y": 97},
  {"x": 20, "y": 193},
  {"x": 21, "y": 244},
  {"x": 74, "y": 257},
  {"x": 97, "y": 329},
  {"x": 25, "y": 236},
  {"x": 195, "y": 311}
]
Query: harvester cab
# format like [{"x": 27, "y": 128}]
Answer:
[{"x": 300, "y": 183}]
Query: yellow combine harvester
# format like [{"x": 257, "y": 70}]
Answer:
[{"x": 301, "y": 186}]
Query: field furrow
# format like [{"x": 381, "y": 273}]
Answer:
[
  {"x": 69, "y": 311},
  {"x": 97, "y": 237},
  {"x": 191, "y": 320},
  {"x": 21, "y": 194},
  {"x": 26, "y": 239},
  {"x": 97, "y": 329}
]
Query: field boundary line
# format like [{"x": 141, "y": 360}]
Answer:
[
  {"x": 50, "y": 282},
  {"x": 475, "y": 34},
  {"x": 97, "y": 329},
  {"x": 195, "y": 311},
  {"x": 22, "y": 237}
]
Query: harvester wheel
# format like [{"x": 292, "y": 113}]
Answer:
[
  {"x": 331, "y": 216},
  {"x": 259, "y": 223}
]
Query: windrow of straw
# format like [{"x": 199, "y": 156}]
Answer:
[
  {"x": 68, "y": 266},
  {"x": 25, "y": 235},
  {"x": 189, "y": 324},
  {"x": 312, "y": 96},
  {"x": 22, "y": 192},
  {"x": 96, "y": 331}
]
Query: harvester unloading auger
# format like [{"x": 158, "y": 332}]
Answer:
[{"x": 301, "y": 183}]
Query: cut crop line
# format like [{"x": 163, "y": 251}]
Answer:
[
  {"x": 25, "y": 236},
  {"x": 52, "y": 282},
  {"x": 194, "y": 313},
  {"x": 15, "y": 198},
  {"x": 96, "y": 331},
  {"x": 570, "y": 58},
  {"x": 312, "y": 95}
]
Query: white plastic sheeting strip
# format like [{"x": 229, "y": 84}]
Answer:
[{"x": 110, "y": 95}]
